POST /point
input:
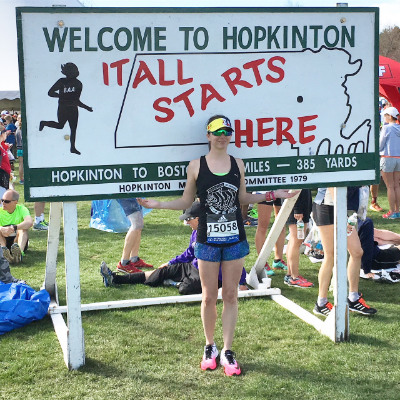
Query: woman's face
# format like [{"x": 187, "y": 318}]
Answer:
[
  {"x": 218, "y": 141},
  {"x": 387, "y": 118}
]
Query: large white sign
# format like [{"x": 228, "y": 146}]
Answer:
[{"x": 116, "y": 102}]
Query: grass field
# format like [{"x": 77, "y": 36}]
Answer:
[{"x": 154, "y": 352}]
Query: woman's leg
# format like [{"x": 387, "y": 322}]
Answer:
[
  {"x": 354, "y": 263},
  {"x": 383, "y": 236},
  {"x": 209, "y": 282},
  {"x": 264, "y": 217},
  {"x": 21, "y": 168},
  {"x": 388, "y": 178},
  {"x": 325, "y": 271},
  {"x": 396, "y": 184},
  {"x": 293, "y": 251},
  {"x": 231, "y": 273}
]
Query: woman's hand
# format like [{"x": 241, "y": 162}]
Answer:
[
  {"x": 284, "y": 193},
  {"x": 149, "y": 203}
]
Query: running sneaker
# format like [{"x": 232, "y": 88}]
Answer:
[
  {"x": 389, "y": 215},
  {"x": 250, "y": 222},
  {"x": 40, "y": 226},
  {"x": 286, "y": 279},
  {"x": 140, "y": 264},
  {"x": 16, "y": 253},
  {"x": 361, "y": 307},
  {"x": 210, "y": 355},
  {"x": 375, "y": 207},
  {"x": 279, "y": 265},
  {"x": 106, "y": 273},
  {"x": 253, "y": 213},
  {"x": 6, "y": 254},
  {"x": 299, "y": 282},
  {"x": 128, "y": 268},
  {"x": 227, "y": 360},
  {"x": 323, "y": 310},
  {"x": 268, "y": 270}
]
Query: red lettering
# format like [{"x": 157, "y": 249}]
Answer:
[
  {"x": 303, "y": 129},
  {"x": 236, "y": 81},
  {"x": 181, "y": 79},
  {"x": 161, "y": 72},
  {"x": 105, "y": 74},
  {"x": 206, "y": 99},
  {"x": 280, "y": 132},
  {"x": 145, "y": 70},
  {"x": 185, "y": 98},
  {"x": 169, "y": 113},
  {"x": 247, "y": 132},
  {"x": 261, "y": 131},
  {"x": 118, "y": 65},
  {"x": 254, "y": 66},
  {"x": 276, "y": 69}
]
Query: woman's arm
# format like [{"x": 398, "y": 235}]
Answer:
[
  {"x": 188, "y": 194},
  {"x": 248, "y": 198},
  {"x": 382, "y": 138}
]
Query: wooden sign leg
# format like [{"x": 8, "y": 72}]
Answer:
[
  {"x": 75, "y": 345},
  {"x": 257, "y": 271}
]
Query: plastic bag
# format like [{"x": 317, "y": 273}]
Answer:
[
  {"x": 363, "y": 205},
  {"x": 313, "y": 243},
  {"x": 108, "y": 216},
  {"x": 20, "y": 305}
]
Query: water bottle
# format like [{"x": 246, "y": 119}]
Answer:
[
  {"x": 351, "y": 223},
  {"x": 300, "y": 229}
]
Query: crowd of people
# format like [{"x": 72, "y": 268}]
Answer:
[{"x": 214, "y": 200}]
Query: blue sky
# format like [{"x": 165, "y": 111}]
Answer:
[{"x": 389, "y": 9}]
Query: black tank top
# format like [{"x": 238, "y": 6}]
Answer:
[{"x": 220, "y": 222}]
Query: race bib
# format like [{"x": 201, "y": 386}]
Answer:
[{"x": 222, "y": 228}]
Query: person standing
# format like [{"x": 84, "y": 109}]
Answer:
[
  {"x": 301, "y": 212},
  {"x": 389, "y": 146},
  {"x": 130, "y": 261},
  {"x": 218, "y": 179},
  {"x": 323, "y": 215}
]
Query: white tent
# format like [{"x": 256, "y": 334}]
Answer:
[{"x": 9, "y": 72}]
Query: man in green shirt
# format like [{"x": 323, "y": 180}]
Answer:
[{"x": 15, "y": 221}]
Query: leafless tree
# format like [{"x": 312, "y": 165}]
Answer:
[{"x": 389, "y": 43}]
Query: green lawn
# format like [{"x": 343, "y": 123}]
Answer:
[{"x": 154, "y": 352}]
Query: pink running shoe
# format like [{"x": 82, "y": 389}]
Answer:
[
  {"x": 231, "y": 367},
  {"x": 210, "y": 355}
]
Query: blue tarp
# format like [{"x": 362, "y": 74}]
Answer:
[
  {"x": 108, "y": 216},
  {"x": 20, "y": 305}
]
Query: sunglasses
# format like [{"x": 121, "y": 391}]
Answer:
[
  {"x": 189, "y": 219},
  {"x": 6, "y": 201},
  {"x": 220, "y": 132}
]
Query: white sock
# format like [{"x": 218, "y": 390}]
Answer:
[
  {"x": 353, "y": 296},
  {"x": 322, "y": 301}
]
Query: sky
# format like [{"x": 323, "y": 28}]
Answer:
[
  {"x": 389, "y": 9},
  {"x": 389, "y": 16}
]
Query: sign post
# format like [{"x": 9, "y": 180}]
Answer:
[{"x": 118, "y": 99}]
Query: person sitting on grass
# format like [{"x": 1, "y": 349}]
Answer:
[
  {"x": 374, "y": 258},
  {"x": 5, "y": 273},
  {"x": 181, "y": 271},
  {"x": 15, "y": 222}
]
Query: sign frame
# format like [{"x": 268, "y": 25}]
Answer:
[{"x": 61, "y": 191}]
